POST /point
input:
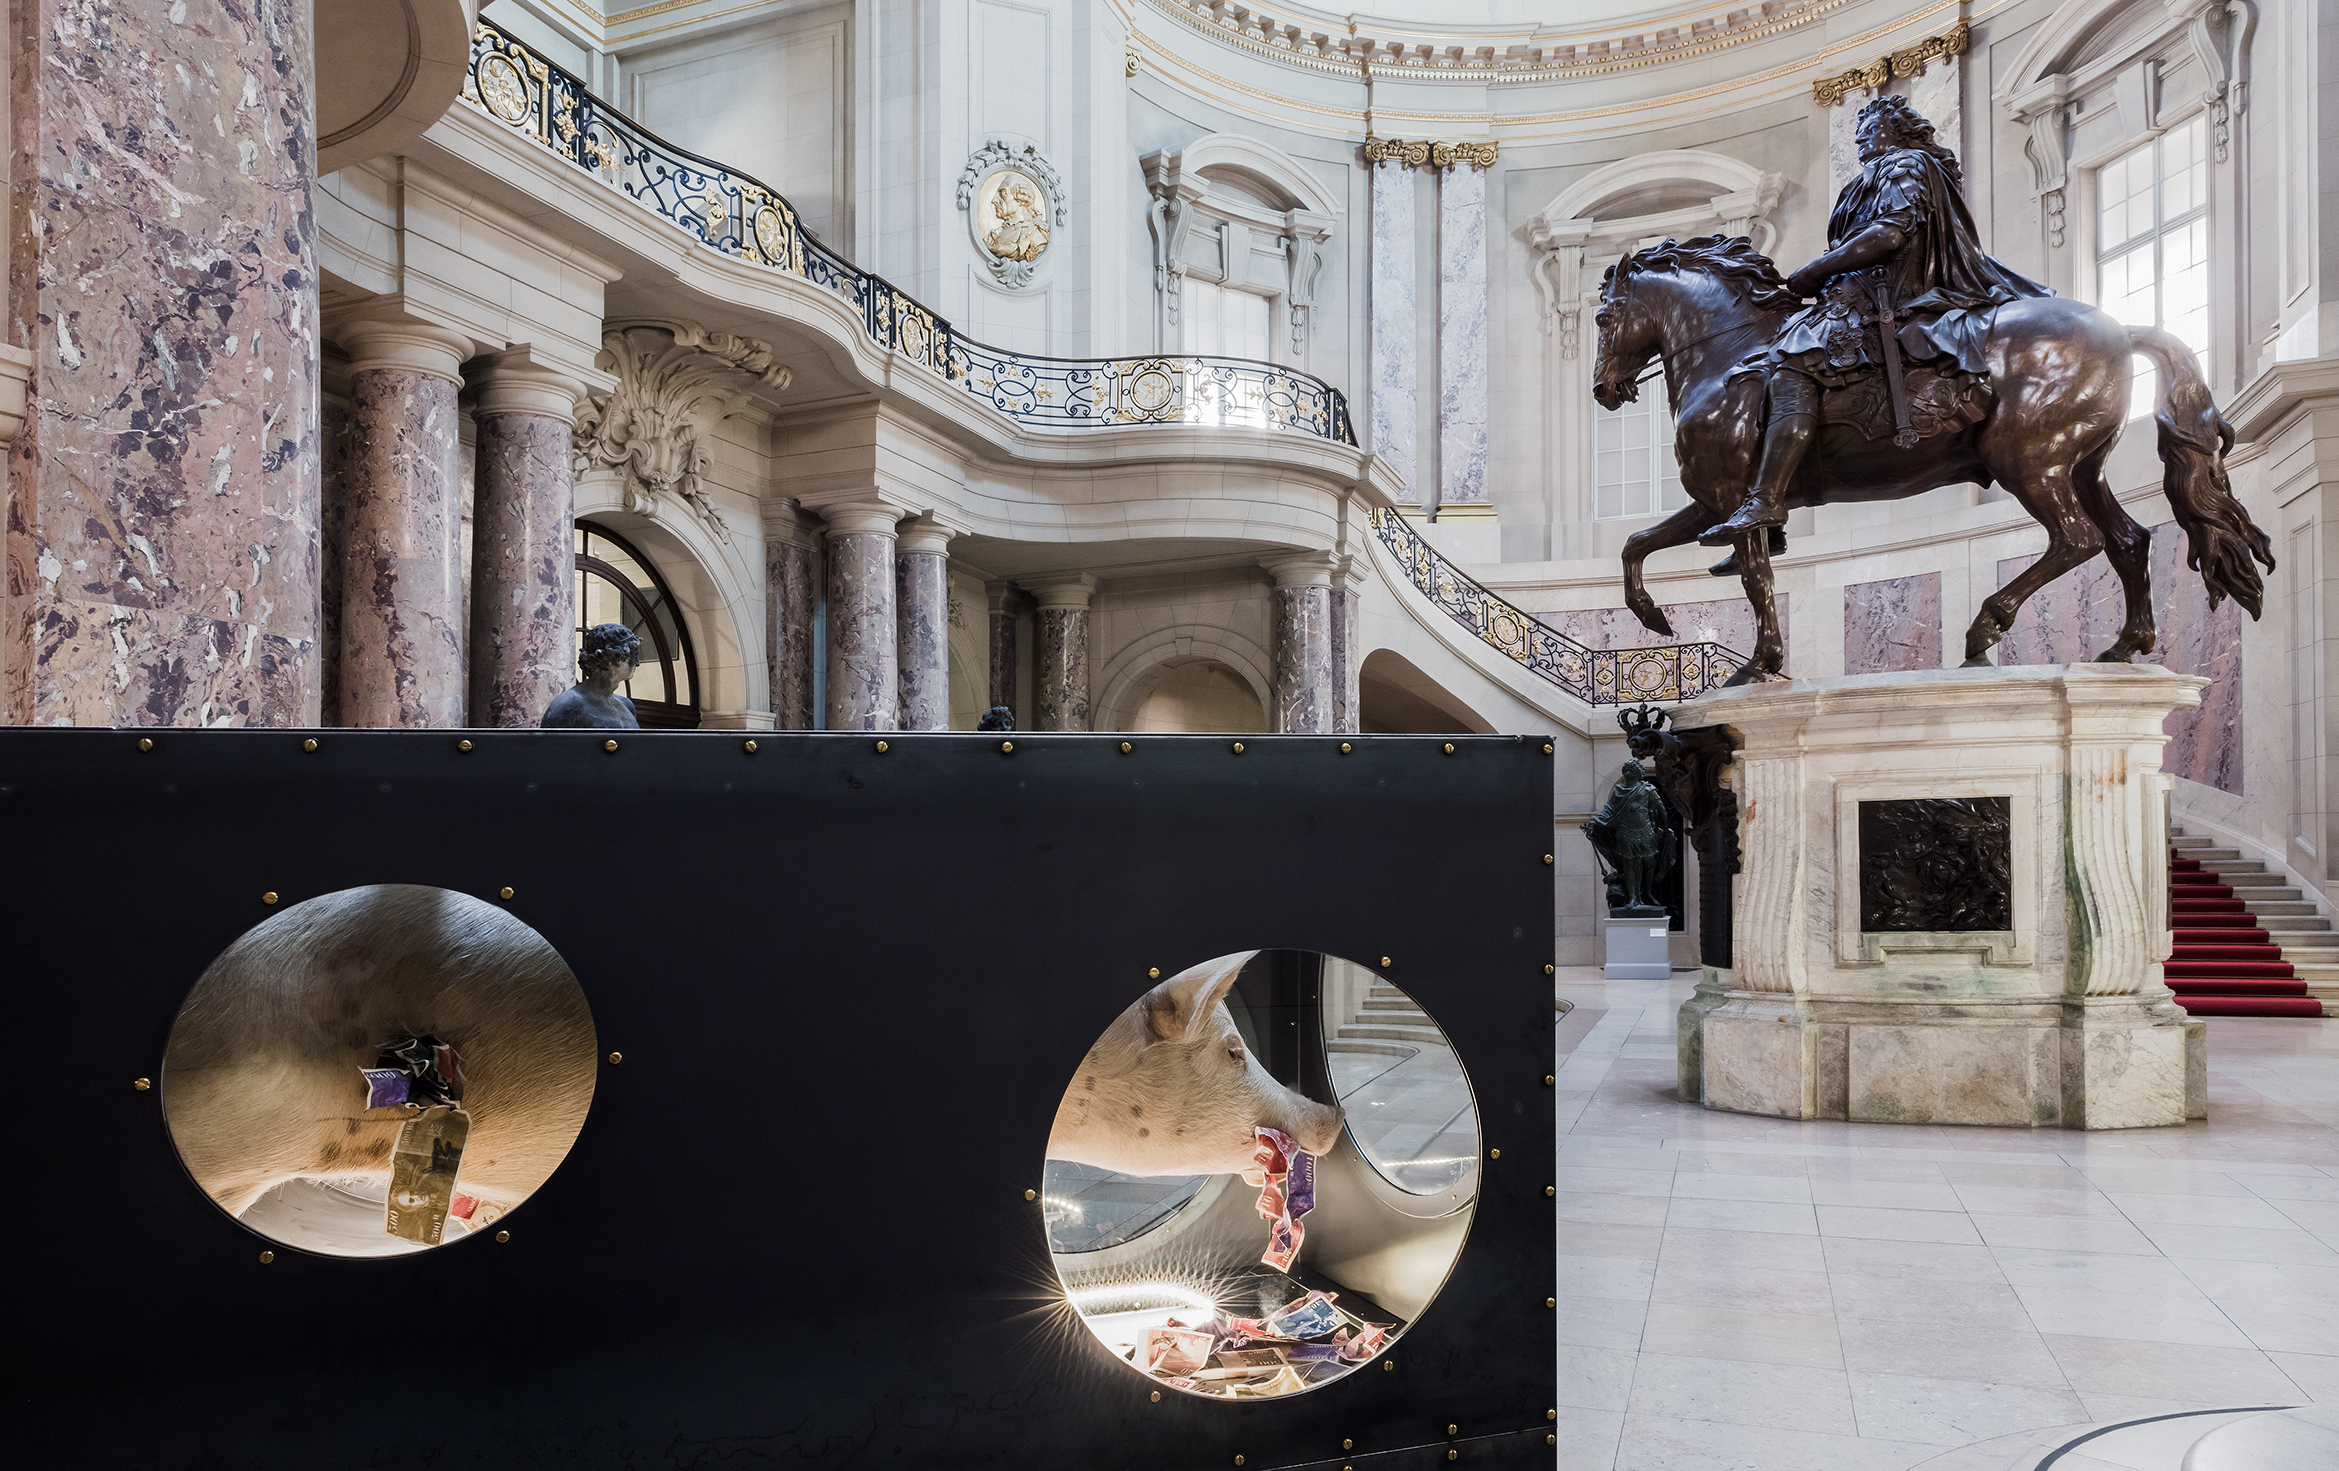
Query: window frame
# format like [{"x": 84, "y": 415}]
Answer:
[
  {"x": 1662, "y": 454},
  {"x": 682, "y": 660},
  {"x": 2155, "y": 238}
]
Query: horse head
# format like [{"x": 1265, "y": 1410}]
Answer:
[{"x": 1673, "y": 295}]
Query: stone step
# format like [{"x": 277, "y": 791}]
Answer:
[
  {"x": 1382, "y": 993},
  {"x": 2211, "y": 857},
  {"x": 2291, "y": 924},
  {"x": 1406, "y": 1018},
  {"x": 2304, "y": 939},
  {"x": 2232, "y": 865},
  {"x": 2243, "y": 879},
  {"x": 2189, "y": 843},
  {"x": 2269, "y": 908},
  {"x": 1418, "y": 1036}
]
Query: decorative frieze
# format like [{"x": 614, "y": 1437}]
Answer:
[
  {"x": 1423, "y": 153},
  {"x": 1908, "y": 61}
]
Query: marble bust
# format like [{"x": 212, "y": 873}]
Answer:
[{"x": 612, "y": 652}]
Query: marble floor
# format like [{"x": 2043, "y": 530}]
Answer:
[{"x": 1742, "y": 1294}]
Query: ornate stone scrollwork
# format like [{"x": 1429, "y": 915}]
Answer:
[
  {"x": 1014, "y": 200},
  {"x": 1908, "y": 61},
  {"x": 1425, "y": 153},
  {"x": 674, "y": 378}
]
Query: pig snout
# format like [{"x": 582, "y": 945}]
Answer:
[
  {"x": 1314, "y": 1127},
  {"x": 1171, "y": 1089}
]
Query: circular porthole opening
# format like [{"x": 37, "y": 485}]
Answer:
[
  {"x": 1261, "y": 1175},
  {"x": 379, "y": 1071}
]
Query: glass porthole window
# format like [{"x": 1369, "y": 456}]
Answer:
[
  {"x": 379, "y": 1071},
  {"x": 1260, "y": 1175},
  {"x": 617, "y": 584}
]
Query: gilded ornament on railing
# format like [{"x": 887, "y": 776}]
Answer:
[
  {"x": 775, "y": 237},
  {"x": 565, "y": 123},
  {"x": 1151, "y": 390},
  {"x": 501, "y": 89},
  {"x": 716, "y": 212}
]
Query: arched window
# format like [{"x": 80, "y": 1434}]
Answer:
[{"x": 616, "y": 584}]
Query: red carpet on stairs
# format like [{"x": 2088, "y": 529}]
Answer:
[{"x": 2224, "y": 963}]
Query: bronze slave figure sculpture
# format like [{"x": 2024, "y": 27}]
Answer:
[
  {"x": 1922, "y": 363},
  {"x": 1634, "y": 836}
]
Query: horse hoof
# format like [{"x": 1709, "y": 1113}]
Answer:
[
  {"x": 1978, "y": 661},
  {"x": 1727, "y": 567},
  {"x": 2114, "y": 656}
]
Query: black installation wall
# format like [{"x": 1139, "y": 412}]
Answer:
[{"x": 849, "y": 987}]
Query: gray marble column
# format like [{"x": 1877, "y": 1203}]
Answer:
[
  {"x": 523, "y": 543},
  {"x": 332, "y": 529},
  {"x": 162, "y": 544},
  {"x": 1345, "y": 595},
  {"x": 402, "y": 573},
  {"x": 1302, "y": 645},
  {"x": 1061, "y": 676},
  {"x": 1461, "y": 335},
  {"x": 1005, "y": 598},
  {"x": 790, "y": 604},
  {"x": 922, "y": 596},
  {"x": 1393, "y": 404},
  {"x": 864, "y": 680}
]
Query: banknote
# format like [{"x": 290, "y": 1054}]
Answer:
[
  {"x": 1174, "y": 1350},
  {"x": 1364, "y": 1344},
  {"x": 1283, "y": 1242},
  {"x": 423, "y": 1167},
  {"x": 385, "y": 1087},
  {"x": 1308, "y": 1316}
]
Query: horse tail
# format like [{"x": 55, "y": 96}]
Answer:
[{"x": 2221, "y": 540}]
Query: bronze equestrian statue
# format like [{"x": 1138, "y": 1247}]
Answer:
[{"x": 1923, "y": 363}]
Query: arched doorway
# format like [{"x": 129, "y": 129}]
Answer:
[
  {"x": 617, "y": 584},
  {"x": 1201, "y": 697}
]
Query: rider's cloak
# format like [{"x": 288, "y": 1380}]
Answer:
[{"x": 1941, "y": 280}]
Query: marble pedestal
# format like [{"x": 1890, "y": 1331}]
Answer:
[
  {"x": 2056, "y": 1014},
  {"x": 1639, "y": 948}
]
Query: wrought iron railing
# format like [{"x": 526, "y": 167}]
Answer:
[
  {"x": 1595, "y": 676},
  {"x": 738, "y": 216}
]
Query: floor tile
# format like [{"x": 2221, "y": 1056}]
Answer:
[
  {"x": 2018, "y": 1200},
  {"x": 2129, "y": 1315},
  {"x": 1987, "y": 1355},
  {"x": 1946, "y": 1228},
  {"x": 1956, "y": 1412},
  {"x": 2316, "y": 1374},
  {"x": 1662, "y": 1443},
  {"x": 2241, "y": 1244},
  {"x": 1923, "y": 1260},
  {"x": 2221, "y": 1211},
  {"x": 1588, "y": 1438},
  {"x": 1768, "y": 1217},
  {"x": 1595, "y": 1378},
  {"x": 2070, "y": 1233},
  {"x": 1706, "y": 1185},
  {"x": 1595, "y": 1209},
  {"x": 2100, "y": 1271},
  {"x": 1685, "y": 1279},
  {"x": 1777, "y": 1395},
  {"x": 1601, "y": 1322},
  {"x": 1593, "y": 1181},
  {"x": 1602, "y": 1276},
  {"x": 1927, "y": 1300},
  {"x": 1927, "y": 1195},
  {"x": 1705, "y": 1330},
  {"x": 1755, "y": 1250},
  {"x": 2173, "y": 1371},
  {"x": 1584, "y": 1238}
]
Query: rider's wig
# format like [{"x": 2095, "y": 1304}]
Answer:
[{"x": 1902, "y": 126}]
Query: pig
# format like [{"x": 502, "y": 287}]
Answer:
[
  {"x": 260, "y": 1080},
  {"x": 1170, "y": 1089}
]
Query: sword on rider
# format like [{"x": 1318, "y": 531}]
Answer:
[{"x": 1888, "y": 328}]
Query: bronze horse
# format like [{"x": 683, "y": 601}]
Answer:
[{"x": 2059, "y": 372}]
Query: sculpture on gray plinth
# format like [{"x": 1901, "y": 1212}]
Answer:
[
  {"x": 1631, "y": 836},
  {"x": 612, "y": 651},
  {"x": 998, "y": 717}
]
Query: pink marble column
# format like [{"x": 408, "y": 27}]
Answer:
[
  {"x": 332, "y": 530},
  {"x": 922, "y": 602},
  {"x": 1347, "y": 699},
  {"x": 161, "y": 544},
  {"x": 1060, "y": 660},
  {"x": 864, "y": 681},
  {"x": 523, "y": 553},
  {"x": 402, "y": 573},
  {"x": 1302, "y": 645},
  {"x": 790, "y": 603}
]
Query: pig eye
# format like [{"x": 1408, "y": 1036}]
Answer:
[{"x": 1235, "y": 1053}]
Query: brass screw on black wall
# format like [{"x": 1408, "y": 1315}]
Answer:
[
  {"x": 142, "y": 1084},
  {"x": 463, "y": 746},
  {"x": 1345, "y": 748},
  {"x": 1031, "y": 1195},
  {"x": 616, "y": 1058},
  {"x": 1157, "y": 1396},
  {"x": 310, "y": 744},
  {"x": 1007, "y": 748},
  {"x": 1449, "y": 748},
  {"x": 748, "y": 747},
  {"x": 266, "y": 1257},
  {"x": 1551, "y": 970},
  {"x": 610, "y": 746},
  {"x": 1238, "y": 748},
  {"x": 1153, "y": 972},
  {"x": 145, "y": 743},
  {"x": 505, "y": 891},
  {"x": 1126, "y": 748},
  {"x": 503, "y": 1237},
  {"x": 882, "y": 748},
  {"x": 269, "y": 897}
]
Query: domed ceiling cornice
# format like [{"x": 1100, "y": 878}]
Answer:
[{"x": 1482, "y": 54}]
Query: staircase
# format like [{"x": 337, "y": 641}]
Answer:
[
  {"x": 1388, "y": 1016},
  {"x": 2245, "y": 945}
]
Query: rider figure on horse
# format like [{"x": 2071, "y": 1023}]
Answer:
[{"x": 1901, "y": 245}]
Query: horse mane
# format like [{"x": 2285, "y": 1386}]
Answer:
[{"x": 1731, "y": 257}]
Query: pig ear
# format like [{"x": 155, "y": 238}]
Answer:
[{"x": 1179, "y": 1008}]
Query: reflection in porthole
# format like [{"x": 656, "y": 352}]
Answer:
[
  {"x": 1260, "y": 1175},
  {"x": 379, "y": 1071}
]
